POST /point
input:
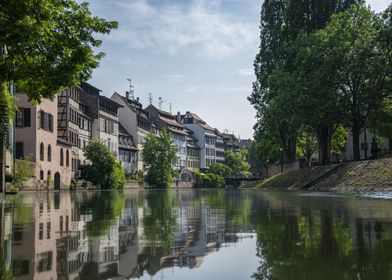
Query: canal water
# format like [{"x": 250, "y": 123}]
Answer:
[{"x": 195, "y": 234}]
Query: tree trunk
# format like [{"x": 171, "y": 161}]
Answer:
[
  {"x": 292, "y": 143},
  {"x": 324, "y": 140},
  {"x": 356, "y": 145}
]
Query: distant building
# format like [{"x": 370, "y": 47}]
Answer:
[
  {"x": 231, "y": 142},
  {"x": 205, "y": 136},
  {"x": 365, "y": 142},
  {"x": 192, "y": 153},
  {"x": 219, "y": 147},
  {"x": 104, "y": 113},
  {"x": 127, "y": 151},
  {"x": 36, "y": 135},
  {"x": 161, "y": 120},
  {"x": 135, "y": 120}
]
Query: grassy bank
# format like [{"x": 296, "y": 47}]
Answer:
[{"x": 371, "y": 175}]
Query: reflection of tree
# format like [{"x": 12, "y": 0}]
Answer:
[
  {"x": 105, "y": 208},
  {"x": 159, "y": 223},
  {"x": 318, "y": 243}
]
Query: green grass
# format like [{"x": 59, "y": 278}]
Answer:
[{"x": 292, "y": 179}]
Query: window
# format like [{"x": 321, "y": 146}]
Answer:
[
  {"x": 20, "y": 267},
  {"x": 41, "y": 175},
  {"x": 23, "y": 117},
  {"x": 48, "y": 226},
  {"x": 49, "y": 153},
  {"x": 67, "y": 158},
  {"x": 45, "y": 261},
  {"x": 41, "y": 151},
  {"x": 61, "y": 157},
  {"x": 46, "y": 121},
  {"x": 19, "y": 152},
  {"x": 41, "y": 231},
  {"x": 49, "y": 174}
]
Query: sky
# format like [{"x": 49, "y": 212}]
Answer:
[{"x": 197, "y": 55}]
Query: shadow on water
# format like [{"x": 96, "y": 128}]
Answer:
[{"x": 140, "y": 234}]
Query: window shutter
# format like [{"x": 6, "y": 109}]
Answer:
[{"x": 27, "y": 117}]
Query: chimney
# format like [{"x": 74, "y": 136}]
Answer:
[
  {"x": 137, "y": 99},
  {"x": 127, "y": 95},
  {"x": 178, "y": 116}
]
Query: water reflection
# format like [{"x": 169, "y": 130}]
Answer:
[{"x": 139, "y": 234}]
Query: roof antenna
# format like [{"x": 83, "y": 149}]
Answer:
[
  {"x": 131, "y": 91},
  {"x": 160, "y": 101},
  {"x": 150, "y": 98}
]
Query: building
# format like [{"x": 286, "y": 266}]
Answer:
[
  {"x": 231, "y": 142},
  {"x": 365, "y": 141},
  {"x": 104, "y": 113},
  {"x": 127, "y": 151},
  {"x": 135, "y": 120},
  {"x": 192, "y": 152},
  {"x": 219, "y": 147},
  {"x": 205, "y": 135},
  {"x": 161, "y": 120},
  {"x": 36, "y": 136}
]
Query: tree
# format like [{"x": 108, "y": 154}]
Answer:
[
  {"x": 307, "y": 144},
  {"x": 274, "y": 92},
  {"x": 48, "y": 45},
  {"x": 23, "y": 170},
  {"x": 237, "y": 162},
  {"x": 104, "y": 171},
  {"x": 45, "y": 46},
  {"x": 220, "y": 169},
  {"x": 159, "y": 156},
  {"x": 362, "y": 55}
]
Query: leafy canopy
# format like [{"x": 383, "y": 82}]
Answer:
[
  {"x": 48, "y": 45},
  {"x": 159, "y": 156}
]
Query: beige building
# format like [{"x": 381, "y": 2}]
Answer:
[{"x": 36, "y": 135}]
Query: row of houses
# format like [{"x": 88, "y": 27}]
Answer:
[{"x": 55, "y": 132}]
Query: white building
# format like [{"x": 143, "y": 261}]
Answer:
[
  {"x": 205, "y": 135},
  {"x": 161, "y": 120},
  {"x": 104, "y": 113}
]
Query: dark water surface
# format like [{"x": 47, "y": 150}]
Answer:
[{"x": 195, "y": 234}]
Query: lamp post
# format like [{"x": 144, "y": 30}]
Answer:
[
  {"x": 281, "y": 159},
  {"x": 364, "y": 114}
]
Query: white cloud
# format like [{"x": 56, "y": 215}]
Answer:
[
  {"x": 246, "y": 72},
  {"x": 199, "y": 27}
]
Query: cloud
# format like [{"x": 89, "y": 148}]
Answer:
[
  {"x": 246, "y": 72},
  {"x": 200, "y": 27}
]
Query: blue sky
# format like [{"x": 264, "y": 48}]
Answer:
[{"x": 196, "y": 54}]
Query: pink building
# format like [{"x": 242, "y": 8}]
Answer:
[{"x": 36, "y": 135}]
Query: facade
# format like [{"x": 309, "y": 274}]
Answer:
[
  {"x": 104, "y": 113},
  {"x": 135, "y": 120},
  {"x": 127, "y": 151},
  {"x": 192, "y": 152},
  {"x": 365, "y": 140},
  {"x": 161, "y": 120},
  {"x": 36, "y": 135},
  {"x": 231, "y": 142},
  {"x": 205, "y": 135},
  {"x": 219, "y": 147}
]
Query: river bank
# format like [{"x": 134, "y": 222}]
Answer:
[{"x": 369, "y": 175}]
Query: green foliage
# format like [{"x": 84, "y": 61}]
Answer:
[
  {"x": 49, "y": 45},
  {"x": 104, "y": 171},
  {"x": 339, "y": 140},
  {"x": 220, "y": 169},
  {"x": 159, "y": 155},
  {"x": 306, "y": 144},
  {"x": 380, "y": 122},
  {"x": 23, "y": 170},
  {"x": 238, "y": 163},
  {"x": 7, "y": 106},
  {"x": 138, "y": 175},
  {"x": 212, "y": 180},
  {"x": 105, "y": 208}
]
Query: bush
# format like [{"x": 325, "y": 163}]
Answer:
[
  {"x": 104, "y": 171},
  {"x": 137, "y": 176},
  {"x": 23, "y": 170},
  {"x": 209, "y": 180},
  {"x": 220, "y": 169}
]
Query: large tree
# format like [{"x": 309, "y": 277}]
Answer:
[
  {"x": 48, "y": 45},
  {"x": 159, "y": 157},
  {"x": 281, "y": 22}
]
